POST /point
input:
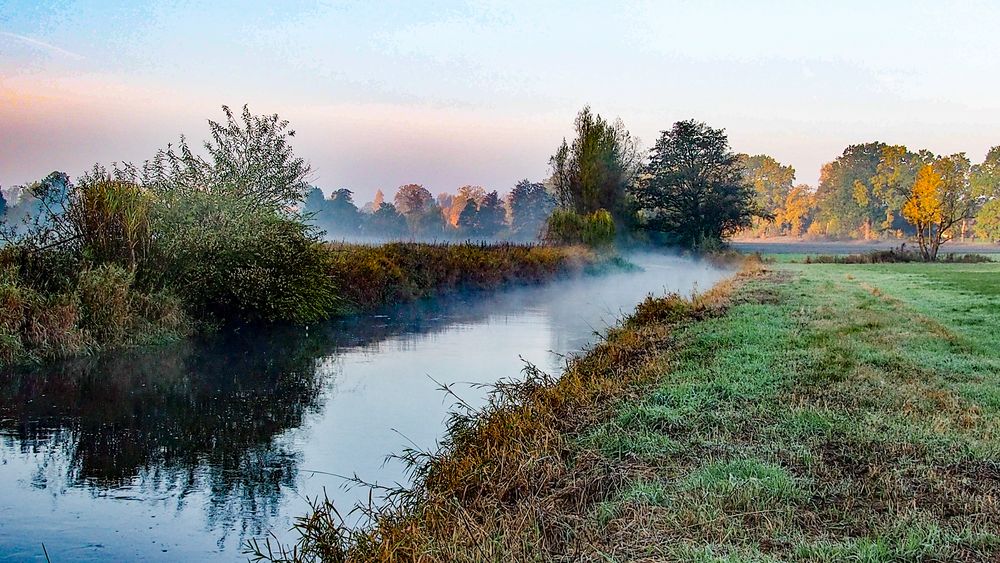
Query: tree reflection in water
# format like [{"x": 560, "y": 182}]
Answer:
[{"x": 204, "y": 416}]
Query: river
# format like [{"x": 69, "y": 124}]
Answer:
[{"x": 186, "y": 451}]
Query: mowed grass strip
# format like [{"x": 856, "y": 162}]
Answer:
[{"x": 836, "y": 412}]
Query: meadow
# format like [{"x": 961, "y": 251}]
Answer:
[{"x": 804, "y": 412}]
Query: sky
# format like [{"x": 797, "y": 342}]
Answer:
[{"x": 446, "y": 94}]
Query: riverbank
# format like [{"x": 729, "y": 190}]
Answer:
[
  {"x": 798, "y": 412},
  {"x": 371, "y": 276},
  {"x": 53, "y": 306}
]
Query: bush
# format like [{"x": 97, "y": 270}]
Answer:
[
  {"x": 240, "y": 263},
  {"x": 567, "y": 227},
  {"x": 102, "y": 309},
  {"x": 111, "y": 218}
]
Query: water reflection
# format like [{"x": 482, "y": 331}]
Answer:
[{"x": 197, "y": 446}]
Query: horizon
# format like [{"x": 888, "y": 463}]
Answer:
[{"x": 482, "y": 94}]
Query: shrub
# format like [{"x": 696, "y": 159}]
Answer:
[
  {"x": 242, "y": 263},
  {"x": 567, "y": 227},
  {"x": 369, "y": 276},
  {"x": 105, "y": 295}
]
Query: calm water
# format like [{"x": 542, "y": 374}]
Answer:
[{"x": 185, "y": 452}]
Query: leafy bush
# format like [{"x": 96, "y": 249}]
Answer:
[
  {"x": 238, "y": 262},
  {"x": 567, "y": 227}
]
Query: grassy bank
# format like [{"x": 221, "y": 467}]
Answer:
[
  {"x": 64, "y": 306},
  {"x": 369, "y": 276},
  {"x": 806, "y": 412},
  {"x": 99, "y": 308}
]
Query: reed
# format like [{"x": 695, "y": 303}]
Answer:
[{"x": 369, "y": 276}]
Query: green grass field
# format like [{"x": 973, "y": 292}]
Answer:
[
  {"x": 837, "y": 412},
  {"x": 803, "y": 412}
]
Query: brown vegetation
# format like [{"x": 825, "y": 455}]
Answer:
[{"x": 368, "y": 276}]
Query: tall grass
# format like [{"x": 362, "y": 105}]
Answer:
[
  {"x": 368, "y": 276},
  {"x": 101, "y": 309}
]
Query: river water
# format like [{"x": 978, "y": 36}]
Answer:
[{"x": 185, "y": 452}]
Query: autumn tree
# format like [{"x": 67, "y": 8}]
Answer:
[
  {"x": 422, "y": 214},
  {"x": 940, "y": 199},
  {"x": 485, "y": 219},
  {"x": 889, "y": 188},
  {"x": 465, "y": 194},
  {"x": 694, "y": 188},
  {"x": 771, "y": 181},
  {"x": 596, "y": 170},
  {"x": 798, "y": 209}
]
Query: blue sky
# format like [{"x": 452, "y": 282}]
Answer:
[{"x": 453, "y": 93}]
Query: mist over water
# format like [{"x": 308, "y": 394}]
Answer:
[{"x": 183, "y": 452}]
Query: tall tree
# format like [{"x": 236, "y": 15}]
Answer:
[
  {"x": 468, "y": 219},
  {"x": 530, "y": 205},
  {"x": 386, "y": 222},
  {"x": 771, "y": 180},
  {"x": 798, "y": 209},
  {"x": 491, "y": 215},
  {"x": 345, "y": 218},
  {"x": 597, "y": 170},
  {"x": 844, "y": 205},
  {"x": 940, "y": 199},
  {"x": 985, "y": 180},
  {"x": 985, "y": 177},
  {"x": 250, "y": 161},
  {"x": 694, "y": 188},
  {"x": 465, "y": 194},
  {"x": 422, "y": 214}
]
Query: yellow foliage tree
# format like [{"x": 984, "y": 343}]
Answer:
[
  {"x": 798, "y": 209},
  {"x": 939, "y": 200}
]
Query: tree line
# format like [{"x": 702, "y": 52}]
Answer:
[
  {"x": 877, "y": 190},
  {"x": 689, "y": 189},
  {"x": 414, "y": 212}
]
